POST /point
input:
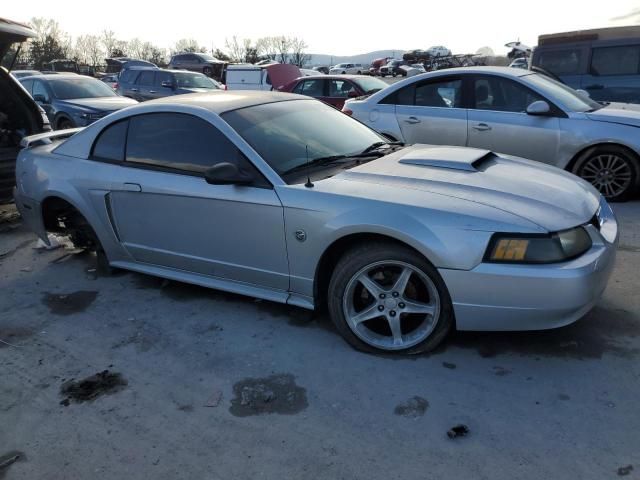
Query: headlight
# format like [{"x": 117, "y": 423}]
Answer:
[
  {"x": 557, "y": 247},
  {"x": 91, "y": 116}
]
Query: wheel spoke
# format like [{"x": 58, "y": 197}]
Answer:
[
  {"x": 401, "y": 284},
  {"x": 411, "y": 306},
  {"x": 366, "y": 314},
  {"x": 396, "y": 331},
  {"x": 591, "y": 168},
  {"x": 372, "y": 287}
]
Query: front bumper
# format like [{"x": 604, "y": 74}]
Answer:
[{"x": 534, "y": 297}]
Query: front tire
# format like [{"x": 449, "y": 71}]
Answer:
[
  {"x": 64, "y": 123},
  {"x": 386, "y": 298},
  {"x": 612, "y": 170}
]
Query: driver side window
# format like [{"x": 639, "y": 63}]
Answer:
[{"x": 502, "y": 95}]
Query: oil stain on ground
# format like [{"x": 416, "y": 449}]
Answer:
[
  {"x": 603, "y": 330},
  {"x": 12, "y": 336},
  {"x": 8, "y": 459},
  {"x": 69, "y": 303},
  {"x": 90, "y": 388},
  {"x": 413, "y": 408},
  {"x": 273, "y": 394}
]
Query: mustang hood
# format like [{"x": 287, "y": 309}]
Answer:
[
  {"x": 547, "y": 196},
  {"x": 102, "y": 104},
  {"x": 623, "y": 113}
]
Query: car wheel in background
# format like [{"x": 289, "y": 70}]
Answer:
[
  {"x": 613, "y": 170},
  {"x": 64, "y": 123},
  {"x": 359, "y": 72},
  {"x": 207, "y": 71},
  {"x": 344, "y": 73},
  {"x": 384, "y": 297}
]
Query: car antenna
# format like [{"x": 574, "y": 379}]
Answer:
[{"x": 308, "y": 184}]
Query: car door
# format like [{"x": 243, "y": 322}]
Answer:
[
  {"x": 614, "y": 74},
  {"x": 430, "y": 111},
  {"x": 159, "y": 90},
  {"x": 164, "y": 212},
  {"x": 312, "y": 87},
  {"x": 143, "y": 86},
  {"x": 192, "y": 62},
  {"x": 498, "y": 120}
]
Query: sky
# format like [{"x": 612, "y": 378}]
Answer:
[{"x": 330, "y": 27}]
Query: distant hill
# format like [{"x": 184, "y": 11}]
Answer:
[{"x": 318, "y": 59}]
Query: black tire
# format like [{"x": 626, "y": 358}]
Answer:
[
  {"x": 344, "y": 73},
  {"x": 587, "y": 167},
  {"x": 83, "y": 236},
  {"x": 357, "y": 258},
  {"x": 64, "y": 123},
  {"x": 359, "y": 72}
]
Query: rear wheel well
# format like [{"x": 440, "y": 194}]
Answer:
[{"x": 335, "y": 251}]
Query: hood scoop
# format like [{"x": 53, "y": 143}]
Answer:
[{"x": 453, "y": 158}]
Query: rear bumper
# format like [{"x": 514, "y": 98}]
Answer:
[{"x": 532, "y": 297}]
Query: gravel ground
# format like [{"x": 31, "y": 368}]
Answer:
[{"x": 130, "y": 376}]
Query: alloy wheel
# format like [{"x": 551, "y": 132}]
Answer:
[
  {"x": 611, "y": 174},
  {"x": 391, "y": 305}
]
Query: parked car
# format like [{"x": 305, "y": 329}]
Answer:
[
  {"x": 317, "y": 208},
  {"x": 322, "y": 69},
  {"x": 24, "y": 73},
  {"x": 117, "y": 64},
  {"x": 438, "y": 51},
  {"x": 19, "y": 114},
  {"x": 263, "y": 77},
  {"x": 605, "y": 62},
  {"x": 335, "y": 89},
  {"x": 61, "y": 65},
  {"x": 111, "y": 80},
  {"x": 127, "y": 80},
  {"x": 147, "y": 84},
  {"x": 516, "y": 112},
  {"x": 377, "y": 64},
  {"x": 348, "y": 68},
  {"x": 393, "y": 68},
  {"x": 521, "y": 62},
  {"x": 198, "y": 62},
  {"x": 73, "y": 100}
]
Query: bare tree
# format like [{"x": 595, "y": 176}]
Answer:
[
  {"x": 95, "y": 54},
  {"x": 188, "y": 45},
  {"x": 298, "y": 55},
  {"x": 266, "y": 47},
  {"x": 282, "y": 46},
  {"x": 235, "y": 49},
  {"x": 109, "y": 41}
]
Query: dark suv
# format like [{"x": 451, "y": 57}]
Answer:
[
  {"x": 393, "y": 68},
  {"x": 146, "y": 84},
  {"x": 19, "y": 114},
  {"x": 198, "y": 62}
]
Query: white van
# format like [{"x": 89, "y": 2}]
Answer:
[{"x": 259, "y": 77}]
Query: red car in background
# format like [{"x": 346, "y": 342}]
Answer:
[
  {"x": 377, "y": 64},
  {"x": 334, "y": 89}
]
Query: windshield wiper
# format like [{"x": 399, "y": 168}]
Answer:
[{"x": 375, "y": 146}]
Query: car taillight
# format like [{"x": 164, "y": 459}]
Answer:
[
  {"x": 115, "y": 86},
  {"x": 347, "y": 111},
  {"x": 224, "y": 87}
]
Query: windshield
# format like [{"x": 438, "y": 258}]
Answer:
[
  {"x": 560, "y": 92},
  {"x": 195, "y": 80},
  {"x": 283, "y": 132},
  {"x": 370, "y": 84},
  {"x": 207, "y": 57},
  {"x": 79, "y": 87}
]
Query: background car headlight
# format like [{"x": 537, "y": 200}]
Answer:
[{"x": 557, "y": 247}]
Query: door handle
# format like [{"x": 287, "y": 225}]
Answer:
[
  {"x": 152, "y": 91},
  {"x": 412, "y": 120},
  {"x": 482, "y": 127},
  {"x": 134, "y": 89},
  {"x": 131, "y": 187},
  {"x": 595, "y": 86}
]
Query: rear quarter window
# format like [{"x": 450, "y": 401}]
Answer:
[{"x": 110, "y": 144}]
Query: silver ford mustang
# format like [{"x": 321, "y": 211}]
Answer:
[{"x": 281, "y": 197}]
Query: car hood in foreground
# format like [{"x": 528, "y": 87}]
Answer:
[
  {"x": 543, "y": 195},
  {"x": 102, "y": 104},
  {"x": 622, "y": 113}
]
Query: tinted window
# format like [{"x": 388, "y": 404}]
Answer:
[
  {"x": 404, "y": 96},
  {"x": 312, "y": 88},
  {"x": 194, "y": 80},
  {"x": 561, "y": 62},
  {"x": 163, "y": 77},
  {"x": 128, "y": 76},
  {"x": 110, "y": 143},
  {"x": 178, "y": 58},
  {"x": 616, "y": 60},
  {"x": 76, "y": 86},
  {"x": 28, "y": 85},
  {"x": 445, "y": 94},
  {"x": 503, "y": 95},
  {"x": 340, "y": 88},
  {"x": 40, "y": 89},
  {"x": 178, "y": 142},
  {"x": 145, "y": 78}
]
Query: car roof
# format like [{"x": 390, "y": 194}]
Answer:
[
  {"x": 505, "y": 71},
  {"x": 58, "y": 76},
  {"x": 332, "y": 77},
  {"x": 224, "y": 101}
]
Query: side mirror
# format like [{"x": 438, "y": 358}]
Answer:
[
  {"x": 583, "y": 93},
  {"x": 226, "y": 173},
  {"x": 539, "y": 107},
  {"x": 168, "y": 84},
  {"x": 39, "y": 98}
]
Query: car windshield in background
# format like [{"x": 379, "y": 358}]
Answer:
[
  {"x": 194, "y": 80},
  {"x": 71, "y": 87},
  {"x": 562, "y": 93},
  {"x": 283, "y": 132},
  {"x": 206, "y": 57},
  {"x": 370, "y": 84}
]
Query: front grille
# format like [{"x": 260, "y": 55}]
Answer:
[{"x": 595, "y": 221}]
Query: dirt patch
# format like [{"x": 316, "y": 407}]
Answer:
[
  {"x": 144, "y": 339},
  {"x": 413, "y": 408},
  {"x": 274, "y": 394},
  {"x": 8, "y": 459},
  {"x": 450, "y": 366},
  {"x": 12, "y": 336},
  {"x": 90, "y": 388},
  {"x": 603, "y": 330},
  {"x": 69, "y": 303}
]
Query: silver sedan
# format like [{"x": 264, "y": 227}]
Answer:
[
  {"x": 517, "y": 112},
  {"x": 284, "y": 198}
]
